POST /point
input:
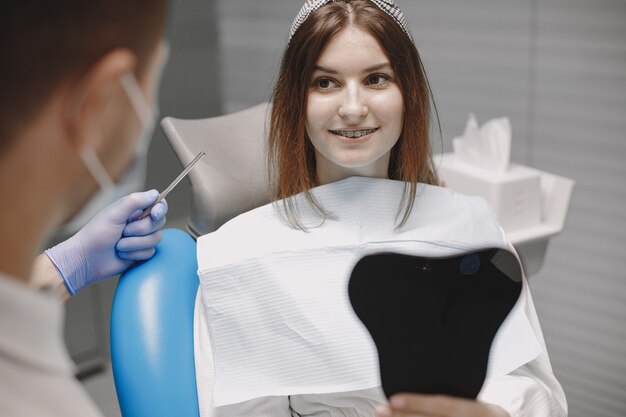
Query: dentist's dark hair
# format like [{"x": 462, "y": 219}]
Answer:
[
  {"x": 45, "y": 43},
  {"x": 291, "y": 156}
]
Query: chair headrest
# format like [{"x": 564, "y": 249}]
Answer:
[{"x": 232, "y": 177}]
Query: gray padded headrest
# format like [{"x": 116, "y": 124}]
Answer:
[{"x": 232, "y": 177}]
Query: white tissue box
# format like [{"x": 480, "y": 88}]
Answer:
[{"x": 515, "y": 194}]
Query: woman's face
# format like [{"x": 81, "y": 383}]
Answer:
[{"x": 354, "y": 110}]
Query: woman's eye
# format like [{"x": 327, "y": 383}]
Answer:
[
  {"x": 377, "y": 79},
  {"x": 324, "y": 83}
]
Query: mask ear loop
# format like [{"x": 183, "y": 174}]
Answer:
[
  {"x": 140, "y": 105},
  {"x": 95, "y": 167},
  {"x": 86, "y": 153},
  {"x": 136, "y": 97}
]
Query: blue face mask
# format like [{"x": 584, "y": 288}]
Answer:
[{"x": 133, "y": 179}]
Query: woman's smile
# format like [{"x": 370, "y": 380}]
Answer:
[{"x": 353, "y": 134}]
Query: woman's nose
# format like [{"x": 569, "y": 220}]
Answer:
[{"x": 353, "y": 107}]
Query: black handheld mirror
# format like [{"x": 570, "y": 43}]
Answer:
[{"x": 433, "y": 320}]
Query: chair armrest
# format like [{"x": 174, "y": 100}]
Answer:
[{"x": 152, "y": 332}]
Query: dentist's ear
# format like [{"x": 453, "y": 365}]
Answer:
[{"x": 90, "y": 98}]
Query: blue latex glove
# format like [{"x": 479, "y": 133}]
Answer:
[{"x": 111, "y": 242}]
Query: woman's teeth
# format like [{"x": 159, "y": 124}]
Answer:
[{"x": 353, "y": 134}]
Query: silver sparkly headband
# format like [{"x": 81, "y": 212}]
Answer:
[{"x": 387, "y": 6}]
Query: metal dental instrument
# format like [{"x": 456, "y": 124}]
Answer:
[{"x": 174, "y": 183}]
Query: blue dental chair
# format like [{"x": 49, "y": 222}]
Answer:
[
  {"x": 152, "y": 316},
  {"x": 152, "y": 332}
]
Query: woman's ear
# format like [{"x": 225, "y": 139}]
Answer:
[{"x": 91, "y": 98}]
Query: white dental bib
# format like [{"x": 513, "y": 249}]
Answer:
[{"x": 279, "y": 317}]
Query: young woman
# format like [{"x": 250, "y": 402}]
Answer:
[
  {"x": 382, "y": 99},
  {"x": 351, "y": 100}
]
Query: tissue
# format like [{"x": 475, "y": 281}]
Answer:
[
  {"x": 487, "y": 147},
  {"x": 480, "y": 165}
]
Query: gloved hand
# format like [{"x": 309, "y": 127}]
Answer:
[{"x": 111, "y": 242}]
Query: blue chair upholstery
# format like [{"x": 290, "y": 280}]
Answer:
[
  {"x": 152, "y": 332},
  {"x": 152, "y": 317}
]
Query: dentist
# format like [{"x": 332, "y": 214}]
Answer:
[{"x": 77, "y": 108}]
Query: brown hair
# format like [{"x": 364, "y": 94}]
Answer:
[
  {"x": 291, "y": 157},
  {"x": 45, "y": 43}
]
